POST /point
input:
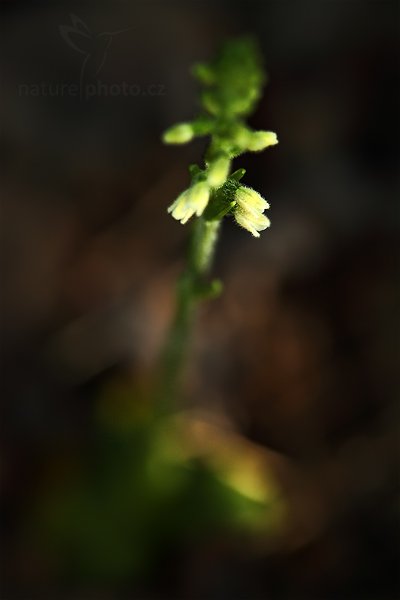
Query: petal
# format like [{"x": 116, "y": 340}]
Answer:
[
  {"x": 247, "y": 198},
  {"x": 244, "y": 222},
  {"x": 198, "y": 197},
  {"x": 253, "y": 222}
]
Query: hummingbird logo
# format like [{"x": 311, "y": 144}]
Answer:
[{"x": 93, "y": 46}]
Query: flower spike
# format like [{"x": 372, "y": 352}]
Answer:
[{"x": 231, "y": 87}]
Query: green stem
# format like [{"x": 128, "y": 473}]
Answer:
[{"x": 190, "y": 289}]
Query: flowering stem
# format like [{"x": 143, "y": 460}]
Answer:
[
  {"x": 191, "y": 288},
  {"x": 203, "y": 242},
  {"x": 232, "y": 84}
]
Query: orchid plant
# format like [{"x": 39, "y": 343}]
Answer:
[
  {"x": 232, "y": 84},
  {"x": 150, "y": 478}
]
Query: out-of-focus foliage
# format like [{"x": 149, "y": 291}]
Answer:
[{"x": 149, "y": 483}]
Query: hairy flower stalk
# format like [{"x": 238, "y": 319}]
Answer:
[{"x": 232, "y": 86}]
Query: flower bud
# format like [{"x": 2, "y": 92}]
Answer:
[
  {"x": 218, "y": 171},
  {"x": 204, "y": 73},
  {"x": 258, "y": 140},
  {"x": 178, "y": 134}
]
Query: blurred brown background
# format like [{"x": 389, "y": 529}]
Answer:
[{"x": 297, "y": 361}]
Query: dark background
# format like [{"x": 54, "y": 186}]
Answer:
[{"x": 300, "y": 355}]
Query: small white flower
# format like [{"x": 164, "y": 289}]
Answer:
[
  {"x": 249, "y": 210},
  {"x": 180, "y": 208},
  {"x": 178, "y": 134},
  {"x": 218, "y": 171},
  {"x": 192, "y": 201}
]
